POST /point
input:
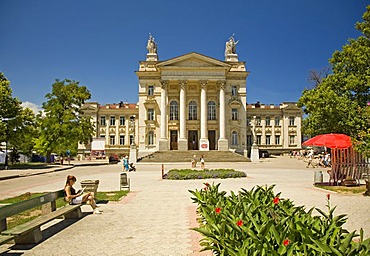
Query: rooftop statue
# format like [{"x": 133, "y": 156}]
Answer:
[
  {"x": 151, "y": 45},
  {"x": 231, "y": 46}
]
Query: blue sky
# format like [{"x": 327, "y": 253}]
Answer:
[{"x": 99, "y": 43}]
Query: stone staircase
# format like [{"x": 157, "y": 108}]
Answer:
[{"x": 186, "y": 156}]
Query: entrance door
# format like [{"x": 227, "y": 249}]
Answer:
[
  {"x": 212, "y": 139},
  {"x": 193, "y": 140},
  {"x": 173, "y": 140}
]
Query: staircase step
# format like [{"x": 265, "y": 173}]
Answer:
[{"x": 174, "y": 156}]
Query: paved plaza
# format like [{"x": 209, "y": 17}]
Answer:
[{"x": 156, "y": 217}]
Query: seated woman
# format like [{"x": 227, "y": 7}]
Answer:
[{"x": 78, "y": 198}]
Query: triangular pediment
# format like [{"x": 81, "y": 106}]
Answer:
[{"x": 193, "y": 60}]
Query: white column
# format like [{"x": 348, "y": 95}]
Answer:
[
  {"x": 127, "y": 133},
  {"x": 204, "y": 143},
  {"x": 183, "y": 142},
  {"x": 222, "y": 112},
  {"x": 203, "y": 109},
  {"x": 163, "y": 140},
  {"x": 223, "y": 144},
  {"x": 164, "y": 110},
  {"x": 182, "y": 110}
]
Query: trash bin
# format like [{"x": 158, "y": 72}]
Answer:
[
  {"x": 318, "y": 177},
  {"x": 125, "y": 181},
  {"x": 90, "y": 185}
]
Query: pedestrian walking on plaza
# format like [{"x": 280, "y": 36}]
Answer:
[
  {"x": 194, "y": 161},
  {"x": 79, "y": 197},
  {"x": 125, "y": 164},
  {"x": 202, "y": 162},
  {"x": 310, "y": 159}
]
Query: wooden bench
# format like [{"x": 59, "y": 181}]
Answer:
[{"x": 30, "y": 232}]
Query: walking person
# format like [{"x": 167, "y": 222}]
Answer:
[
  {"x": 202, "y": 162},
  {"x": 125, "y": 164},
  {"x": 310, "y": 159},
  {"x": 74, "y": 197}
]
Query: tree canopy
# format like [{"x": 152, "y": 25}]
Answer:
[
  {"x": 340, "y": 102},
  {"x": 63, "y": 126},
  {"x": 17, "y": 123}
]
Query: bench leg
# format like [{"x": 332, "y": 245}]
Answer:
[
  {"x": 31, "y": 237},
  {"x": 3, "y": 225},
  {"x": 76, "y": 214}
]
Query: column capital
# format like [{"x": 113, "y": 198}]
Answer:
[
  {"x": 203, "y": 84},
  {"x": 182, "y": 84},
  {"x": 164, "y": 84},
  {"x": 222, "y": 84}
]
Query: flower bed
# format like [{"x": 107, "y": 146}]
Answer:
[
  {"x": 187, "y": 174},
  {"x": 259, "y": 222}
]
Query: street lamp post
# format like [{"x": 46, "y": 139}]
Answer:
[
  {"x": 133, "y": 149},
  {"x": 6, "y": 119}
]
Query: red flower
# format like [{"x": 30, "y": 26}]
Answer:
[
  {"x": 328, "y": 196},
  {"x": 207, "y": 184},
  {"x": 286, "y": 242},
  {"x": 239, "y": 223},
  {"x": 218, "y": 210},
  {"x": 205, "y": 188},
  {"x": 276, "y": 200}
]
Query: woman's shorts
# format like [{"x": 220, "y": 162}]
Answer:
[{"x": 77, "y": 200}]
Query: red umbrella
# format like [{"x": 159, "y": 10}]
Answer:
[{"x": 331, "y": 140}]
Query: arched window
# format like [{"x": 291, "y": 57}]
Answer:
[
  {"x": 174, "y": 110},
  {"x": 192, "y": 110},
  {"x": 151, "y": 138},
  {"x": 234, "y": 138},
  {"x": 211, "y": 110}
]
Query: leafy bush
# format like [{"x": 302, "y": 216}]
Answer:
[
  {"x": 188, "y": 174},
  {"x": 259, "y": 222}
]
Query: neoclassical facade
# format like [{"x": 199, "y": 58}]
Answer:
[
  {"x": 277, "y": 127},
  {"x": 194, "y": 102}
]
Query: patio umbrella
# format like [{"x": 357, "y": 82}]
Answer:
[{"x": 331, "y": 140}]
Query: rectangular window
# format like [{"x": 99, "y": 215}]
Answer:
[
  {"x": 234, "y": 90},
  {"x": 277, "y": 139},
  {"x": 151, "y": 138},
  {"x": 122, "y": 139},
  {"x": 150, "y": 90},
  {"x": 258, "y": 139},
  {"x": 268, "y": 121},
  {"x": 150, "y": 114},
  {"x": 258, "y": 120},
  {"x": 112, "y": 120},
  {"x": 102, "y": 135},
  {"x": 131, "y": 139},
  {"x": 277, "y": 120},
  {"x": 291, "y": 120},
  {"x": 291, "y": 139},
  {"x": 112, "y": 140},
  {"x": 122, "y": 120},
  {"x": 102, "y": 120},
  {"x": 249, "y": 121},
  {"x": 234, "y": 114},
  {"x": 268, "y": 139}
]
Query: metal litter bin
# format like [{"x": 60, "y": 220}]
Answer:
[
  {"x": 318, "y": 178},
  {"x": 125, "y": 181},
  {"x": 90, "y": 186}
]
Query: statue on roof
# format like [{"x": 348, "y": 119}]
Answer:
[
  {"x": 151, "y": 45},
  {"x": 231, "y": 46}
]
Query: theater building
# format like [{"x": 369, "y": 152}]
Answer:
[{"x": 194, "y": 102}]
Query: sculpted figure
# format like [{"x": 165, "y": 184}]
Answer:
[
  {"x": 151, "y": 45},
  {"x": 231, "y": 46}
]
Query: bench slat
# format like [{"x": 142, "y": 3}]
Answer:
[
  {"x": 12, "y": 209},
  {"x": 5, "y": 239},
  {"x": 33, "y": 224}
]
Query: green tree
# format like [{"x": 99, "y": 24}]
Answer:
[
  {"x": 63, "y": 125},
  {"x": 18, "y": 125},
  {"x": 339, "y": 103}
]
